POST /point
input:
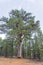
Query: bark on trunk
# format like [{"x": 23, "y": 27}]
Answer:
[
  {"x": 19, "y": 55},
  {"x": 19, "y": 50}
]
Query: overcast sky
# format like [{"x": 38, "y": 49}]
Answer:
[{"x": 33, "y": 6}]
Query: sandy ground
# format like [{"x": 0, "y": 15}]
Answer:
[{"x": 12, "y": 61}]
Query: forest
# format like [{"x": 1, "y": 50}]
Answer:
[{"x": 24, "y": 37}]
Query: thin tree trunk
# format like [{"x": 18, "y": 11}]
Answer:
[
  {"x": 6, "y": 51},
  {"x": 12, "y": 48}
]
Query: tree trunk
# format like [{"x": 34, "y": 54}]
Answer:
[
  {"x": 6, "y": 54},
  {"x": 12, "y": 48},
  {"x": 19, "y": 55}
]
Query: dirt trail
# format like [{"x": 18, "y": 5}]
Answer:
[{"x": 12, "y": 61}]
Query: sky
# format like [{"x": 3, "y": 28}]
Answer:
[{"x": 33, "y": 6}]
